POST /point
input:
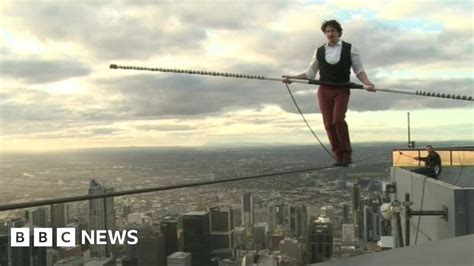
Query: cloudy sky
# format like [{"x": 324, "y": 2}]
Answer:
[{"x": 57, "y": 91}]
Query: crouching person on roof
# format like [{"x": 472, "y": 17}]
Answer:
[{"x": 432, "y": 163}]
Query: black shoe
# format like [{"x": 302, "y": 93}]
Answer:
[
  {"x": 337, "y": 164},
  {"x": 346, "y": 163}
]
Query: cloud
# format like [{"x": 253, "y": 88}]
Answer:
[
  {"x": 42, "y": 71},
  {"x": 165, "y": 127},
  {"x": 56, "y": 82}
]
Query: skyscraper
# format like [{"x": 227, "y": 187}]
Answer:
[
  {"x": 320, "y": 241},
  {"x": 276, "y": 216},
  {"x": 221, "y": 226},
  {"x": 290, "y": 247},
  {"x": 298, "y": 216},
  {"x": 180, "y": 259},
  {"x": 169, "y": 229},
  {"x": 4, "y": 246},
  {"x": 151, "y": 249},
  {"x": 348, "y": 234},
  {"x": 58, "y": 215},
  {"x": 345, "y": 213},
  {"x": 260, "y": 235},
  {"x": 371, "y": 220},
  {"x": 239, "y": 237},
  {"x": 24, "y": 255},
  {"x": 247, "y": 210},
  {"x": 196, "y": 236},
  {"x": 357, "y": 210},
  {"x": 38, "y": 217},
  {"x": 101, "y": 216}
]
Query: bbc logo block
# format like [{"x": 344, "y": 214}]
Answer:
[
  {"x": 20, "y": 237},
  {"x": 43, "y": 237},
  {"x": 66, "y": 237}
]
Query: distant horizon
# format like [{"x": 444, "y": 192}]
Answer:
[{"x": 418, "y": 145}]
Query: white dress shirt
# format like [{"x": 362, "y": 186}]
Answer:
[{"x": 333, "y": 55}]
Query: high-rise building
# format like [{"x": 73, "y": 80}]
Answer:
[
  {"x": 292, "y": 213},
  {"x": 277, "y": 215},
  {"x": 345, "y": 213},
  {"x": 260, "y": 235},
  {"x": 196, "y": 236},
  {"x": 371, "y": 221},
  {"x": 58, "y": 218},
  {"x": 52, "y": 256},
  {"x": 290, "y": 247},
  {"x": 320, "y": 241},
  {"x": 169, "y": 229},
  {"x": 101, "y": 216},
  {"x": 247, "y": 210},
  {"x": 38, "y": 217},
  {"x": 240, "y": 234},
  {"x": 4, "y": 246},
  {"x": 180, "y": 259},
  {"x": 58, "y": 215},
  {"x": 348, "y": 234},
  {"x": 151, "y": 247},
  {"x": 298, "y": 217},
  {"x": 357, "y": 210},
  {"x": 275, "y": 241},
  {"x": 27, "y": 256},
  {"x": 221, "y": 223}
]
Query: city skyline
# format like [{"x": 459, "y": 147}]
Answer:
[{"x": 59, "y": 93}]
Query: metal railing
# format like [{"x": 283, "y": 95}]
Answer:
[{"x": 450, "y": 156}]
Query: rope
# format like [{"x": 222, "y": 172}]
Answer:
[{"x": 306, "y": 122}]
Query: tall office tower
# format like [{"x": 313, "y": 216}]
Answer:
[
  {"x": 101, "y": 216},
  {"x": 58, "y": 218},
  {"x": 196, "y": 236},
  {"x": 58, "y": 215},
  {"x": 151, "y": 247},
  {"x": 169, "y": 229},
  {"x": 348, "y": 234},
  {"x": 355, "y": 201},
  {"x": 368, "y": 217},
  {"x": 221, "y": 223},
  {"x": 27, "y": 256},
  {"x": 275, "y": 241},
  {"x": 38, "y": 217},
  {"x": 290, "y": 247},
  {"x": 298, "y": 216},
  {"x": 240, "y": 234},
  {"x": 260, "y": 235},
  {"x": 292, "y": 219},
  {"x": 4, "y": 246},
  {"x": 247, "y": 210},
  {"x": 277, "y": 216},
  {"x": 52, "y": 256},
  {"x": 357, "y": 212},
  {"x": 180, "y": 259},
  {"x": 320, "y": 241},
  {"x": 345, "y": 213},
  {"x": 371, "y": 221}
]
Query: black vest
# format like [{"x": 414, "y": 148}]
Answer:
[{"x": 339, "y": 72}]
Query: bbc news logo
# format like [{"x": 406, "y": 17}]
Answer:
[{"x": 66, "y": 237}]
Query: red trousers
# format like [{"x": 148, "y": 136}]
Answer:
[{"x": 333, "y": 103}]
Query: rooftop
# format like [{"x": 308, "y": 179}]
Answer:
[{"x": 451, "y": 251}]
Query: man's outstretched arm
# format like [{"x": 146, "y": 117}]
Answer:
[{"x": 363, "y": 77}]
